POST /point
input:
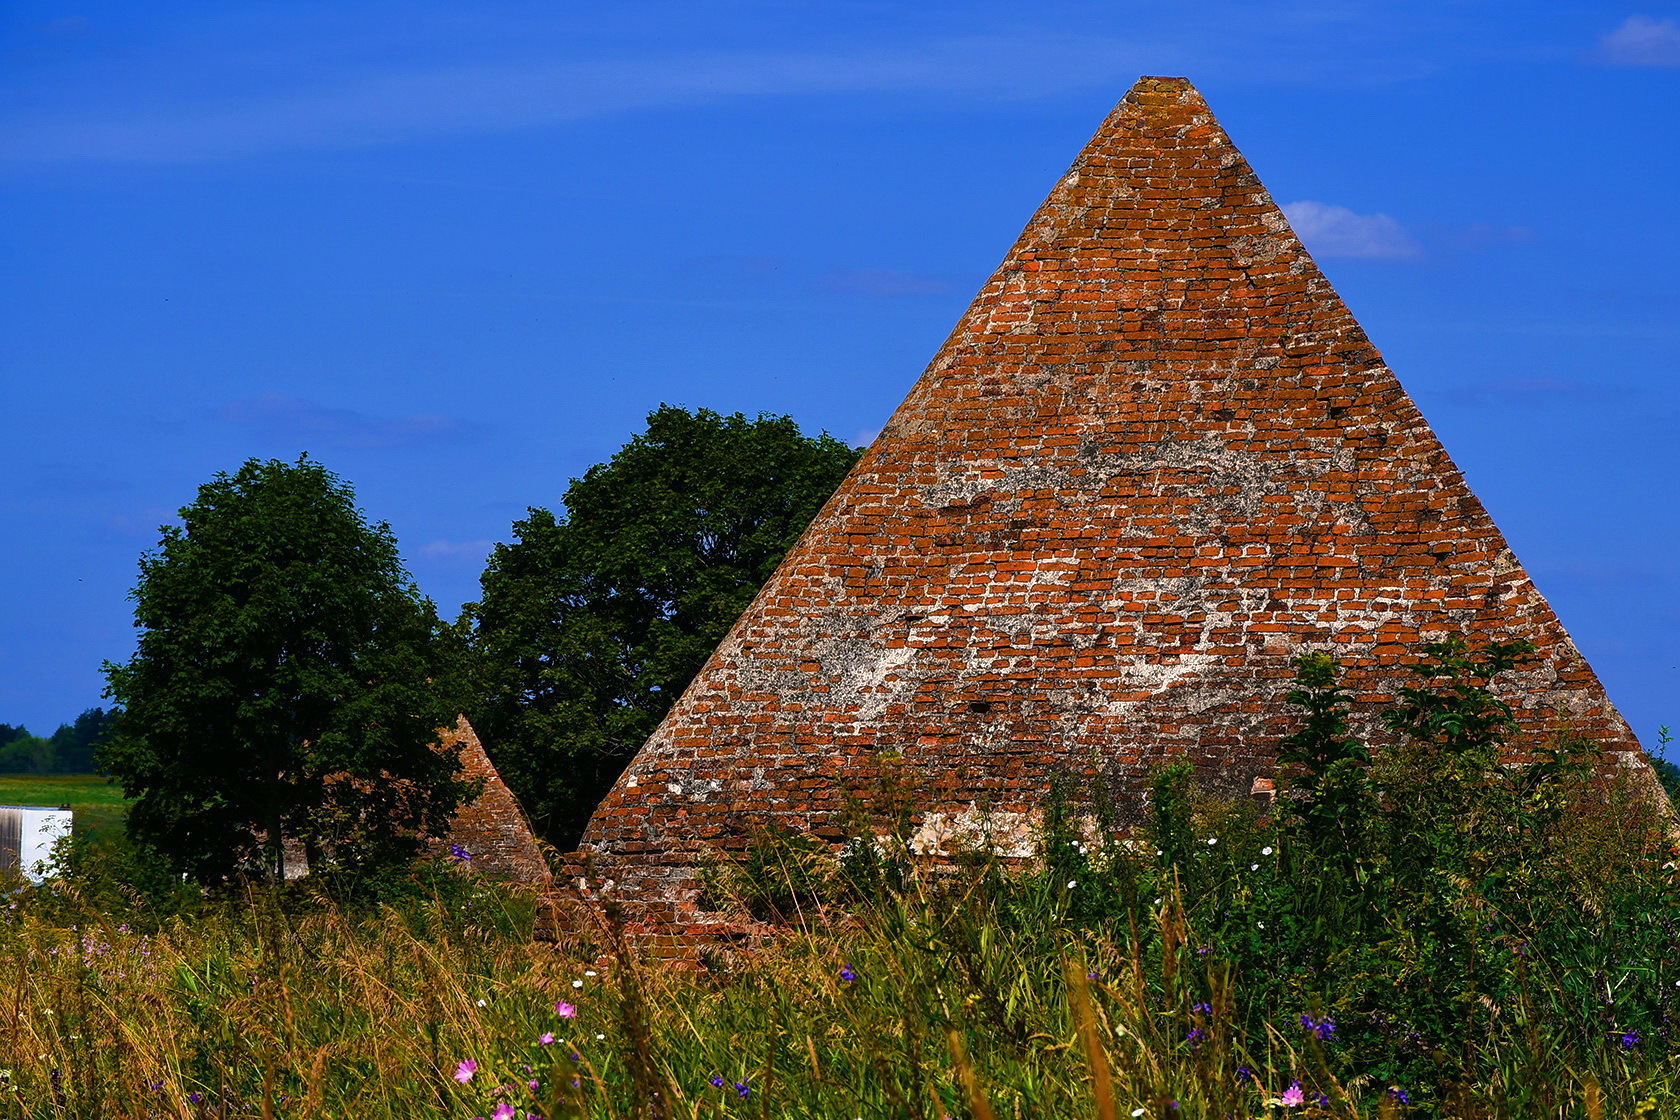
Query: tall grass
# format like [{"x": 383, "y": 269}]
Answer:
[
  {"x": 1418, "y": 930},
  {"x": 976, "y": 996}
]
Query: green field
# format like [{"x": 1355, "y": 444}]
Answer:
[{"x": 96, "y": 801}]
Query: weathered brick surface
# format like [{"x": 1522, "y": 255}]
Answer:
[
  {"x": 1155, "y": 459},
  {"x": 491, "y": 827}
]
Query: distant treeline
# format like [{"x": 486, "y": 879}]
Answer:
[{"x": 69, "y": 750}]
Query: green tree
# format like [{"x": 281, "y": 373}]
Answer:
[
  {"x": 288, "y": 681},
  {"x": 591, "y": 625},
  {"x": 74, "y": 744},
  {"x": 23, "y": 753},
  {"x": 68, "y": 751}
]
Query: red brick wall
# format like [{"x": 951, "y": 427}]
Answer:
[{"x": 1155, "y": 459}]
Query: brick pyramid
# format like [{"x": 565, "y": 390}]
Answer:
[
  {"x": 1155, "y": 460},
  {"x": 491, "y": 827}
]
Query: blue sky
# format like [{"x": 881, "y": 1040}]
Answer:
[{"x": 458, "y": 251}]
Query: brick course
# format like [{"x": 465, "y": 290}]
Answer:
[{"x": 1156, "y": 459}]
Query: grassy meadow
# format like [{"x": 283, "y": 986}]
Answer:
[
  {"x": 1416, "y": 929},
  {"x": 1209, "y": 964},
  {"x": 97, "y": 801},
  {"x": 973, "y": 999}
]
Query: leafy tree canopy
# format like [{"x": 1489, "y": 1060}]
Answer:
[
  {"x": 288, "y": 681},
  {"x": 590, "y": 625}
]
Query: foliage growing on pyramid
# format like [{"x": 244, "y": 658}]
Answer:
[{"x": 1156, "y": 459}]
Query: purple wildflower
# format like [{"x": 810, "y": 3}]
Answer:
[
  {"x": 1205, "y": 1008},
  {"x": 717, "y": 1082},
  {"x": 847, "y": 974},
  {"x": 741, "y": 1089},
  {"x": 459, "y": 854},
  {"x": 1400, "y": 1095},
  {"x": 1322, "y": 1028},
  {"x": 1630, "y": 1039},
  {"x": 1195, "y": 1036}
]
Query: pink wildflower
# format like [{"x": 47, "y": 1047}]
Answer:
[
  {"x": 504, "y": 1111},
  {"x": 1292, "y": 1096},
  {"x": 565, "y": 1010},
  {"x": 464, "y": 1071},
  {"x": 546, "y": 1039}
]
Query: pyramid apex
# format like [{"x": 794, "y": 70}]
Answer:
[{"x": 1159, "y": 85}]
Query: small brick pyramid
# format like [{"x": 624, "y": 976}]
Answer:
[
  {"x": 1156, "y": 459},
  {"x": 491, "y": 827}
]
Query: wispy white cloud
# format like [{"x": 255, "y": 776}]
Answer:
[
  {"x": 1336, "y": 231},
  {"x": 213, "y": 82},
  {"x": 865, "y": 437},
  {"x": 141, "y": 523},
  {"x": 356, "y": 109},
  {"x": 315, "y": 425},
  {"x": 1642, "y": 41},
  {"x": 881, "y": 283},
  {"x": 446, "y": 553}
]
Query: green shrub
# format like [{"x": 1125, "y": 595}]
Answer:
[{"x": 1435, "y": 915}]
